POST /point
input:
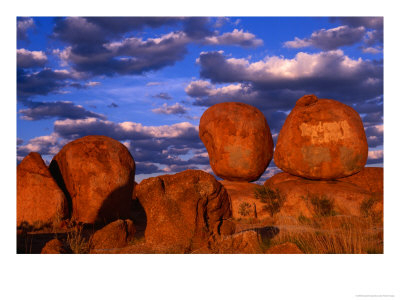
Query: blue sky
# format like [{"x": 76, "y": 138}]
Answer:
[{"x": 147, "y": 81}]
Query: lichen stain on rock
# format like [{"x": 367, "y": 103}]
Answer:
[
  {"x": 326, "y": 132},
  {"x": 314, "y": 156},
  {"x": 349, "y": 158},
  {"x": 238, "y": 156}
]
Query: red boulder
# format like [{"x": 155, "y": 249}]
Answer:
[{"x": 321, "y": 139}]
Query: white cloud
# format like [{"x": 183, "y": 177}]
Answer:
[
  {"x": 236, "y": 37},
  {"x": 166, "y": 109},
  {"x": 329, "y": 39},
  {"x": 28, "y": 59},
  {"x": 372, "y": 50},
  {"x": 375, "y": 154}
]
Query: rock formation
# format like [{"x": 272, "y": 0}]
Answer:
[
  {"x": 238, "y": 140},
  {"x": 184, "y": 210},
  {"x": 97, "y": 173},
  {"x": 305, "y": 197},
  {"x": 39, "y": 199},
  {"x": 321, "y": 139}
]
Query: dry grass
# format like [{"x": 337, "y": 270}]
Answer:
[
  {"x": 77, "y": 242},
  {"x": 331, "y": 235}
]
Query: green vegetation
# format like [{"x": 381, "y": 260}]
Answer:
[{"x": 272, "y": 198}]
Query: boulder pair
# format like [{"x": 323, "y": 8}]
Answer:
[{"x": 321, "y": 139}]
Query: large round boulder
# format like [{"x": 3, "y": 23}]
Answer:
[
  {"x": 97, "y": 173},
  {"x": 39, "y": 199},
  {"x": 184, "y": 210},
  {"x": 238, "y": 140},
  {"x": 321, "y": 139}
]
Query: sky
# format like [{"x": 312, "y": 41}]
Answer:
[{"x": 146, "y": 81}]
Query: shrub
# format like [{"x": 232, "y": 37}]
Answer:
[
  {"x": 244, "y": 209},
  {"x": 323, "y": 206},
  {"x": 366, "y": 206},
  {"x": 272, "y": 198}
]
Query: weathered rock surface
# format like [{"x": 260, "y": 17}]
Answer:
[
  {"x": 114, "y": 235},
  {"x": 245, "y": 242},
  {"x": 55, "y": 246},
  {"x": 346, "y": 197},
  {"x": 98, "y": 174},
  {"x": 243, "y": 192},
  {"x": 238, "y": 140},
  {"x": 184, "y": 210},
  {"x": 286, "y": 248},
  {"x": 39, "y": 199},
  {"x": 321, "y": 139}
]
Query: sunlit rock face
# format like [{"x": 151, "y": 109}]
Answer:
[
  {"x": 39, "y": 199},
  {"x": 321, "y": 139},
  {"x": 238, "y": 141}
]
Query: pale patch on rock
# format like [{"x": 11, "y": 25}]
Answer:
[{"x": 326, "y": 132}]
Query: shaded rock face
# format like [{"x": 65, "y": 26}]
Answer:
[
  {"x": 114, "y": 235},
  {"x": 184, "y": 210},
  {"x": 286, "y": 248},
  {"x": 321, "y": 139},
  {"x": 55, "y": 246},
  {"x": 39, "y": 199},
  {"x": 238, "y": 140},
  {"x": 97, "y": 173},
  {"x": 346, "y": 197}
]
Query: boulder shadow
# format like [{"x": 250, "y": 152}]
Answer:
[{"x": 55, "y": 171}]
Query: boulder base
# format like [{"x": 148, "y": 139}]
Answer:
[
  {"x": 184, "y": 210},
  {"x": 346, "y": 197}
]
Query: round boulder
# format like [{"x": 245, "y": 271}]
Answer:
[
  {"x": 238, "y": 140},
  {"x": 97, "y": 173},
  {"x": 321, "y": 139}
]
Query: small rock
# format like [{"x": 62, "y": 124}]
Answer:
[
  {"x": 114, "y": 235},
  {"x": 54, "y": 246}
]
